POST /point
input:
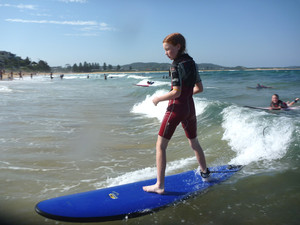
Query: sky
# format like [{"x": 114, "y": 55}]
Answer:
[{"x": 250, "y": 33}]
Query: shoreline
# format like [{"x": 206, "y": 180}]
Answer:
[{"x": 5, "y": 76}]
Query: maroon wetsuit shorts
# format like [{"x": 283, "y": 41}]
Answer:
[{"x": 176, "y": 113}]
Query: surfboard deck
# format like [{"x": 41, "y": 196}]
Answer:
[{"x": 129, "y": 200}]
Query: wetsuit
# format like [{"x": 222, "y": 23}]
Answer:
[
  {"x": 184, "y": 73},
  {"x": 279, "y": 103}
]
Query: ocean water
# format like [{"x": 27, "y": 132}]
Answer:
[{"x": 66, "y": 136}]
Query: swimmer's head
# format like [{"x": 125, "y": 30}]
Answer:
[{"x": 275, "y": 98}]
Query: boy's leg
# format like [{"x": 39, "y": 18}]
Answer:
[
  {"x": 194, "y": 143},
  {"x": 161, "y": 160}
]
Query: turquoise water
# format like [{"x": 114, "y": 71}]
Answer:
[{"x": 66, "y": 136}]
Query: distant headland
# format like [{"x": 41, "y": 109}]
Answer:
[{"x": 12, "y": 62}]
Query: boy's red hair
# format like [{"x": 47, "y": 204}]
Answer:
[{"x": 175, "y": 39}]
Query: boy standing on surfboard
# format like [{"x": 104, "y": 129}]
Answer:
[{"x": 181, "y": 109}]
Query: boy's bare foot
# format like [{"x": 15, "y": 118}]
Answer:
[{"x": 154, "y": 188}]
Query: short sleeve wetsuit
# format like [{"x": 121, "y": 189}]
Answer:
[
  {"x": 279, "y": 103},
  {"x": 184, "y": 73}
]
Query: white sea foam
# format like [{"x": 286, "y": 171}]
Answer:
[
  {"x": 138, "y": 77},
  {"x": 146, "y": 173},
  {"x": 85, "y": 75},
  {"x": 143, "y": 82},
  {"x": 62, "y": 188},
  {"x": 256, "y": 136},
  {"x": 161, "y": 83},
  {"x": 5, "y": 89},
  {"x": 70, "y": 77},
  {"x": 149, "y": 110},
  {"x": 117, "y": 75},
  {"x": 200, "y": 105},
  {"x": 18, "y": 168},
  {"x": 155, "y": 83},
  {"x": 211, "y": 87}
]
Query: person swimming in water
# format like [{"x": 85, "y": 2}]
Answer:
[
  {"x": 150, "y": 82},
  {"x": 277, "y": 104},
  {"x": 259, "y": 86}
]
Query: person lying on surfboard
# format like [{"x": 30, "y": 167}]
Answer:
[
  {"x": 181, "y": 109},
  {"x": 150, "y": 82},
  {"x": 262, "y": 86},
  {"x": 277, "y": 104}
]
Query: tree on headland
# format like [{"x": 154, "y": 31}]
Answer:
[
  {"x": 43, "y": 66},
  {"x": 75, "y": 68},
  {"x": 12, "y": 62},
  {"x": 25, "y": 62},
  {"x": 82, "y": 68},
  {"x": 104, "y": 67},
  {"x": 9, "y": 61},
  {"x": 68, "y": 67}
]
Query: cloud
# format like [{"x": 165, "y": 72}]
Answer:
[
  {"x": 20, "y": 6},
  {"x": 41, "y": 14},
  {"x": 82, "y": 35},
  {"x": 88, "y": 28},
  {"x": 106, "y": 27},
  {"x": 74, "y": 23},
  {"x": 98, "y": 27}
]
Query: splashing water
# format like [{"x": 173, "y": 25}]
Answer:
[
  {"x": 256, "y": 136},
  {"x": 146, "y": 173},
  {"x": 148, "y": 109}
]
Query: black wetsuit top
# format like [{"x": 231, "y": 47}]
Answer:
[{"x": 278, "y": 104}]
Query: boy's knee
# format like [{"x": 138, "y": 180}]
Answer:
[{"x": 194, "y": 143}]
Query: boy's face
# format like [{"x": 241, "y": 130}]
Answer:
[
  {"x": 170, "y": 50},
  {"x": 274, "y": 99}
]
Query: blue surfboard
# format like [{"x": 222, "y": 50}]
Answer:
[{"x": 129, "y": 200}]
